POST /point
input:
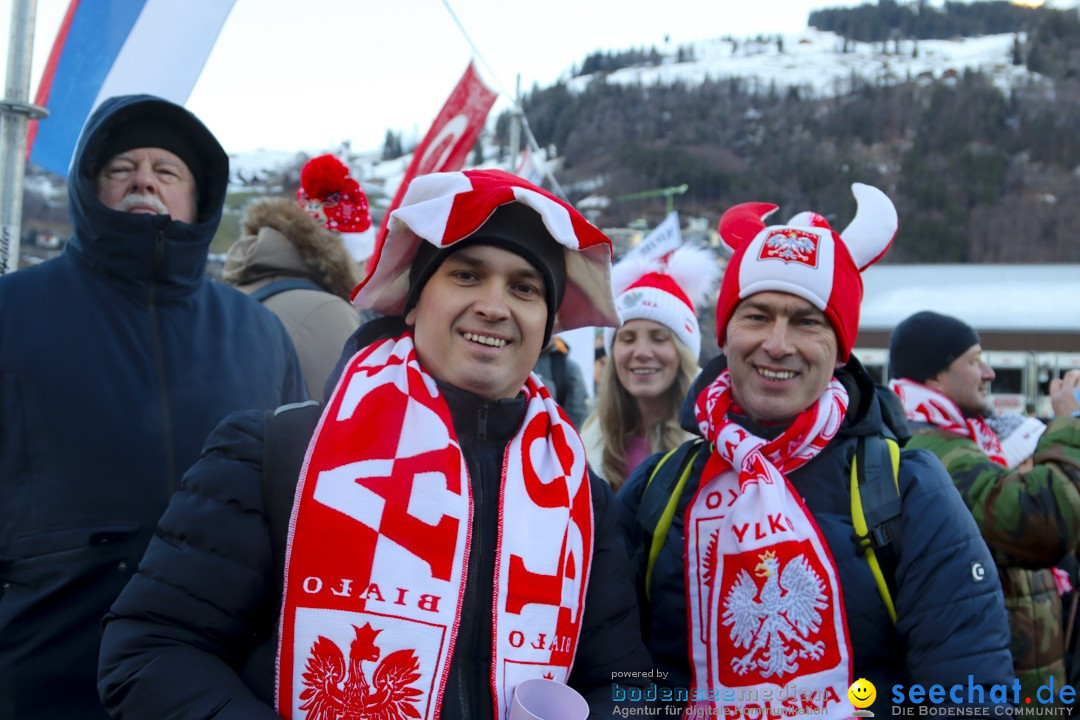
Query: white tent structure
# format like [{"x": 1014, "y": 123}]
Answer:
[{"x": 1004, "y": 298}]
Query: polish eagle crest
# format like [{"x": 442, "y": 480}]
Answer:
[
  {"x": 791, "y": 245},
  {"x": 775, "y": 620},
  {"x": 336, "y": 690}
]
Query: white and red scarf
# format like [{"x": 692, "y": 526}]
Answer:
[
  {"x": 926, "y": 405},
  {"x": 768, "y": 632},
  {"x": 380, "y": 538}
]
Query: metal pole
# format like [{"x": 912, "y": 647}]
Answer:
[
  {"x": 15, "y": 111},
  {"x": 515, "y": 127}
]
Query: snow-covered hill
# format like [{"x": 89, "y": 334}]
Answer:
[{"x": 814, "y": 61}]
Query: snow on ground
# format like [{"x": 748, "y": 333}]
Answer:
[
  {"x": 811, "y": 60},
  {"x": 814, "y": 60}
]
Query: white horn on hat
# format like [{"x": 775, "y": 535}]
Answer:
[{"x": 872, "y": 230}]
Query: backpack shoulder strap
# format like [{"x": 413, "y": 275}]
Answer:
[
  {"x": 286, "y": 434},
  {"x": 661, "y": 496},
  {"x": 271, "y": 289},
  {"x": 875, "y": 510}
]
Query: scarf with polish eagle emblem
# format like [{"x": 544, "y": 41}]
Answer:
[
  {"x": 926, "y": 405},
  {"x": 380, "y": 538},
  {"x": 763, "y": 594}
]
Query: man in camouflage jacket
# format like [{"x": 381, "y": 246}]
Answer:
[{"x": 1030, "y": 520}]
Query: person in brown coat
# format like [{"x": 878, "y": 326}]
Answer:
[{"x": 302, "y": 272}]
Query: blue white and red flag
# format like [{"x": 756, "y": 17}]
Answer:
[{"x": 118, "y": 47}]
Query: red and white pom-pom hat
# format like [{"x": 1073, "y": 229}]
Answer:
[
  {"x": 329, "y": 193},
  {"x": 666, "y": 290},
  {"x": 445, "y": 208},
  {"x": 806, "y": 258}
]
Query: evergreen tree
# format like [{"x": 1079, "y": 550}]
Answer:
[{"x": 392, "y": 146}]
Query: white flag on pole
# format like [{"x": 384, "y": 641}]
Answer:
[{"x": 664, "y": 238}]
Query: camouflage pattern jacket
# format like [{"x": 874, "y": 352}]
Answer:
[{"x": 1030, "y": 522}]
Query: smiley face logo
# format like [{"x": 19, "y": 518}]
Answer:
[{"x": 862, "y": 693}]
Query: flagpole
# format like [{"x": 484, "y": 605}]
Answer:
[
  {"x": 515, "y": 126},
  {"x": 15, "y": 111}
]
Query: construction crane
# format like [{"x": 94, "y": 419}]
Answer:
[{"x": 667, "y": 193}]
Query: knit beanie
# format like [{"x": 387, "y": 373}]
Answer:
[
  {"x": 808, "y": 259},
  {"x": 150, "y": 131},
  {"x": 666, "y": 290},
  {"x": 927, "y": 343}
]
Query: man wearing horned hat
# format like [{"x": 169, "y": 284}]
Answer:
[{"x": 763, "y": 592}]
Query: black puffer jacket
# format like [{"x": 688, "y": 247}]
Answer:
[
  {"x": 948, "y": 626},
  {"x": 205, "y": 601}
]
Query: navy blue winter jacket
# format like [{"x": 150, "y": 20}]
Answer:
[
  {"x": 117, "y": 359},
  {"x": 951, "y": 620},
  {"x": 205, "y": 603}
]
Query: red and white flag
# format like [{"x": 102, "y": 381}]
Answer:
[{"x": 451, "y": 136}]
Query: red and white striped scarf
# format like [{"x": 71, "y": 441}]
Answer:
[
  {"x": 380, "y": 538},
  {"x": 926, "y": 405},
  {"x": 763, "y": 595}
]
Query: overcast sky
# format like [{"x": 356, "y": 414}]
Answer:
[{"x": 299, "y": 75}]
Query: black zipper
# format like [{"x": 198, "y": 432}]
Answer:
[
  {"x": 158, "y": 353},
  {"x": 466, "y": 640},
  {"x": 466, "y": 629}
]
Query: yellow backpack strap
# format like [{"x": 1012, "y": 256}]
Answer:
[
  {"x": 670, "y": 501},
  {"x": 876, "y": 536}
]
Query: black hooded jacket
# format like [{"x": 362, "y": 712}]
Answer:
[
  {"x": 117, "y": 359},
  {"x": 178, "y": 617}
]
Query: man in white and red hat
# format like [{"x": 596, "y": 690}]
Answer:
[
  {"x": 445, "y": 541},
  {"x": 764, "y": 598}
]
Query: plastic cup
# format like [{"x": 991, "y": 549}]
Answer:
[{"x": 540, "y": 699}]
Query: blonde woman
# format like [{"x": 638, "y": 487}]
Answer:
[{"x": 652, "y": 360}]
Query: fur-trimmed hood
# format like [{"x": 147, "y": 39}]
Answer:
[{"x": 279, "y": 238}]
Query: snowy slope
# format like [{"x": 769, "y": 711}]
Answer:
[{"x": 812, "y": 60}]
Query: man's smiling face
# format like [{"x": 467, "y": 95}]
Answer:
[
  {"x": 781, "y": 353},
  {"x": 480, "y": 321}
]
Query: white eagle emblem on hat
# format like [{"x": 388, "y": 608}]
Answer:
[{"x": 791, "y": 245}]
